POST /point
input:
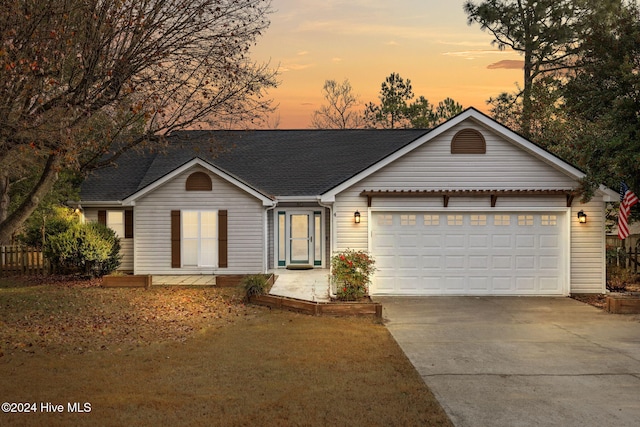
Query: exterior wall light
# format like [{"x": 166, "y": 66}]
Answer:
[
  {"x": 356, "y": 217},
  {"x": 582, "y": 217}
]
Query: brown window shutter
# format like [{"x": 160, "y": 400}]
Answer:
[
  {"x": 468, "y": 141},
  {"x": 198, "y": 181},
  {"x": 128, "y": 224},
  {"x": 102, "y": 217},
  {"x": 175, "y": 239},
  {"x": 222, "y": 239}
]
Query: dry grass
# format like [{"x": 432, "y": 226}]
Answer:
[{"x": 198, "y": 357}]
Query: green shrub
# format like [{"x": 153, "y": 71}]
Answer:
[
  {"x": 351, "y": 273},
  {"x": 91, "y": 249},
  {"x": 38, "y": 232},
  {"x": 255, "y": 284}
]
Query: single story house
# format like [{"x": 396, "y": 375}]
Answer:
[{"x": 467, "y": 208}]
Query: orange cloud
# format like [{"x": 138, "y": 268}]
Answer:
[{"x": 507, "y": 64}]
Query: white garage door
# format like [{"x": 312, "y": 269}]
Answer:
[{"x": 462, "y": 253}]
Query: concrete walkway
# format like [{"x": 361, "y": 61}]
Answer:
[
  {"x": 526, "y": 361},
  {"x": 309, "y": 285}
]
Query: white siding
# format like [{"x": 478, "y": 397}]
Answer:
[
  {"x": 588, "y": 265},
  {"x": 505, "y": 166},
  {"x": 126, "y": 245},
  {"x": 152, "y": 222}
]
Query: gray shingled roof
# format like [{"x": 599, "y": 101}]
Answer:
[{"x": 274, "y": 162}]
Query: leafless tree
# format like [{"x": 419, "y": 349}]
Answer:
[
  {"x": 82, "y": 81},
  {"x": 339, "y": 112}
]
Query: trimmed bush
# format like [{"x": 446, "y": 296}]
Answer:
[{"x": 91, "y": 249}]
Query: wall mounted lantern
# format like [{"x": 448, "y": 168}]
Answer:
[
  {"x": 582, "y": 217},
  {"x": 356, "y": 217}
]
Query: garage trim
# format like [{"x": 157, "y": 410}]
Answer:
[{"x": 446, "y": 194}]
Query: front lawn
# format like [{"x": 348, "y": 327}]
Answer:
[{"x": 184, "y": 356}]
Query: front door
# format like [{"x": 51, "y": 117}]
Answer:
[{"x": 299, "y": 238}]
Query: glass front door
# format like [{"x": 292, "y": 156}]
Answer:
[{"x": 299, "y": 238}]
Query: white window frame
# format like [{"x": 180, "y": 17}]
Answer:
[
  {"x": 199, "y": 239},
  {"x": 114, "y": 224}
]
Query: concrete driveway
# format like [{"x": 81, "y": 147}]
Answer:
[{"x": 503, "y": 361}]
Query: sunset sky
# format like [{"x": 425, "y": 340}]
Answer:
[{"x": 425, "y": 41}]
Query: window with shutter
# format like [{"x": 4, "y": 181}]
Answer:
[
  {"x": 199, "y": 238},
  {"x": 121, "y": 222}
]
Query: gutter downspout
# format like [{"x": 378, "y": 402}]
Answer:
[
  {"x": 266, "y": 236},
  {"x": 332, "y": 239}
]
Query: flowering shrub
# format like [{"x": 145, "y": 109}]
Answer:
[{"x": 351, "y": 272}]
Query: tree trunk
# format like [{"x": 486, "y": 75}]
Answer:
[
  {"x": 526, "y": 97},
  {"x": 4, "y": 195},
  {"x": 528, "y": 21},
  {"x": 13, "y": 222}
]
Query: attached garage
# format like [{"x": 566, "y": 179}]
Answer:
[
  {"x": 472, "y": 208},
  {"x": 470, "y": 253}
]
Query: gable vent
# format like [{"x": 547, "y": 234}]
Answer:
[
  {"x": 468, "y": 141},
  {"x": 198, "y": 181}
]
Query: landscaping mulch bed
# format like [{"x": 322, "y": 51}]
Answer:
[{"x": 600, "y": 300}]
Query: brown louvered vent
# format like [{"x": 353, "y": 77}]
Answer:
[
  {"x": 468, "y": 141},
  {"x": 198, "y": 181}
]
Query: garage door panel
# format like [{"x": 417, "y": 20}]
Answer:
[
  {"x": 385, "y": 240},
  {"x": 525, "y": 283},
  {"x": 501, "y": 284},
  {"x": 455, "y": 241},
  {"x": 431, "y": 284},
  {"x": 548, "y": 283},
  {"x": 478, "y": 241},
  {"x": 455, "y": 283},
  {"x": 431, "y": 241},
  {"x": 468, "y": 253},
  {"x": 407, "y": 262},
  {"x": 432, "y": 262},
  {"x": 385, "y": 261},
  {"x": 549, "y": 262},
  {"x": 501, "y": 241},
  {"x": 407, "y": 240},
  {"x": 455, "y": 262},
  {"x": 502, "y": 262},
  {"x": 479, "y": 283},
  {"x": 525, "y": 262},
  {"x": 549, "y": 242},
  {"x": 408, "y": 282},
  {"x": 525, "y": 241},
  {"x": 478, "y": 262}
]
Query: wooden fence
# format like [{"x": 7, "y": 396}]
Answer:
[
  {"x": 624, "y": 256},
  {"x": 19, "y": 260}
]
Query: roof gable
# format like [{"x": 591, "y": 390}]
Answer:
[
  {"x": 477, "y": 118},
  {"x": 266, "y": 201}
]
